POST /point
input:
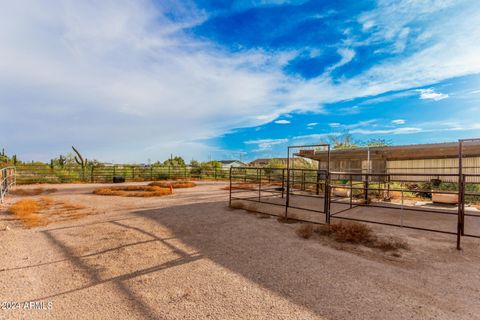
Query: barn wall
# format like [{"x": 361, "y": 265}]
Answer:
[{"x": 471, "y": 165}]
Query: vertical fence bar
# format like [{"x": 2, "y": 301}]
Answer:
[
  {"x": 230, "y": 189},
  {"x": 326, "y": 205},
  {"x": 283, "y": 182},
  {"x": 463, "y": 204},
  {"x": 351, "y": 191},
  {"x": 365, "y": 188},
  {"x": 303, "y": 180},
  {"x": 287, "y": 200},
  {"x": 259, "y": 177},
  {"x": 460, "y": 194}
]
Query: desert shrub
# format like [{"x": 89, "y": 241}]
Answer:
[
  {"x": 32, "y": 192},
  {"x": 27, "y": 211},
  {"x": 250, "y": 208},
  {"x": 242, "y": 186},
  {"x": 238, "y": 205},
  {"x": 305, "y": 231},
  {"x": 27, "y": 192},
  {"x": 357, "y": 233},
  {"x": 174, "y": 184},
  {"x": 133, "y": 191},
  {"x": 286, "y": 220},
  {"x": 37, "y": 212},
  {"x": 347, "y": 232}
]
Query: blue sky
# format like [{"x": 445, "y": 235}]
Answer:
[{"x": 128, "y": 81}]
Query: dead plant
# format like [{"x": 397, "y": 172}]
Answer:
[
  {"x": 133, "y": 191},
  {"x": 305, "y": 230},
  {"x": 347, "y": 232},
  {"x": 175, "y": 184}
]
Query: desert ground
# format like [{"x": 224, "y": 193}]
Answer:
[{"x": 190, "y": 256}]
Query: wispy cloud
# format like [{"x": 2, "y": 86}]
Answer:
[
  {"x": 283, "y": 121},
  {"x": 81, "y": 69},
  {"x": 265, "y": 144},
  {"x": 430, "y": 94},
  {"x": 398, "y": 121},
  {"x": 405, "y": 130}
]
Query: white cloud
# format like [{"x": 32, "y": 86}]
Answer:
[
  {"x": 315, "y": 136},
  {"x": 265, "y": 144},
  {"x": 334, "y": 124},
  {"x": 312, "y": 124},
  {"x": 387, "y": 131},
  {"x": 346, "y": 55},
  {"x": 430, "y": 94},
  {"x": 282, "y": 122},
  {"x": 398, "y": 121},
  {"x": 89, "y": 73}
]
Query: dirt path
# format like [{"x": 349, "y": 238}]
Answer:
[{"x": 188, "y": 256}]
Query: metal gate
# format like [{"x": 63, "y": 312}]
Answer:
[
  {"x": 446, "y": 203},
  {"x": 7, "y": 181}
]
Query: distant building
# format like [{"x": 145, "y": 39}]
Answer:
[
  {"x": 227, "y": 164},
  {"x": 262, "y": 162},
  {"x": 433, "y": 159}
]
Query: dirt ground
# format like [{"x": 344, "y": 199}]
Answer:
[{"x": 189, "y": 256}]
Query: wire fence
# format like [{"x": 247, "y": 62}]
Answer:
[
  {"x": 320, "y": 196},
  {"x": 30, "y": 174},
  {"x": 7, "y": 181}
]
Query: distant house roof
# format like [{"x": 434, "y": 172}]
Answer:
[
  {"x": 265, "y": 161},
  {"x": 229, "y": 161},
  {"x": 226, "y": 163}
]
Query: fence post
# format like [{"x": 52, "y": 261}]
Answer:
[
  {"x": 365, "y": 187},
  {"x": 215, "y": 173},
  {"x": 326, "y": 203},
  {"x": 287, "y": 200},
  {"x": 283, "y": 182},
  {"x": 91, "y": 174},
  {"x": 230, "y": 189},
  {"x": 460, "y": 213},
  {"x": 259, "y": 177}
]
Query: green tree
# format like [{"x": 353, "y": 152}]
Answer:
[
  {"x": 343, "y": 141},
  {"x": 378, "y": 143},
  {"x": 175, "y": 162}
]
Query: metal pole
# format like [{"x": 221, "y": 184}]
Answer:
[
  {"x": 283, "y": 182},
  {"x": 287, "y": 201},
  {"x": 259, "y": 177},
  {"x": 365, "y": 187},
  {"x": 230, "y": 189},
  {"x": 303, "y": 180},
  {"x": 351, "y": 191},
  {"x": 326, "y": 204},
  {"x": 460, "y": 194}
]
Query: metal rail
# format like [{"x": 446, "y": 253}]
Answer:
[
  {"x": 297, "y": 183},
  {"x": 7, "y": 181}
]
